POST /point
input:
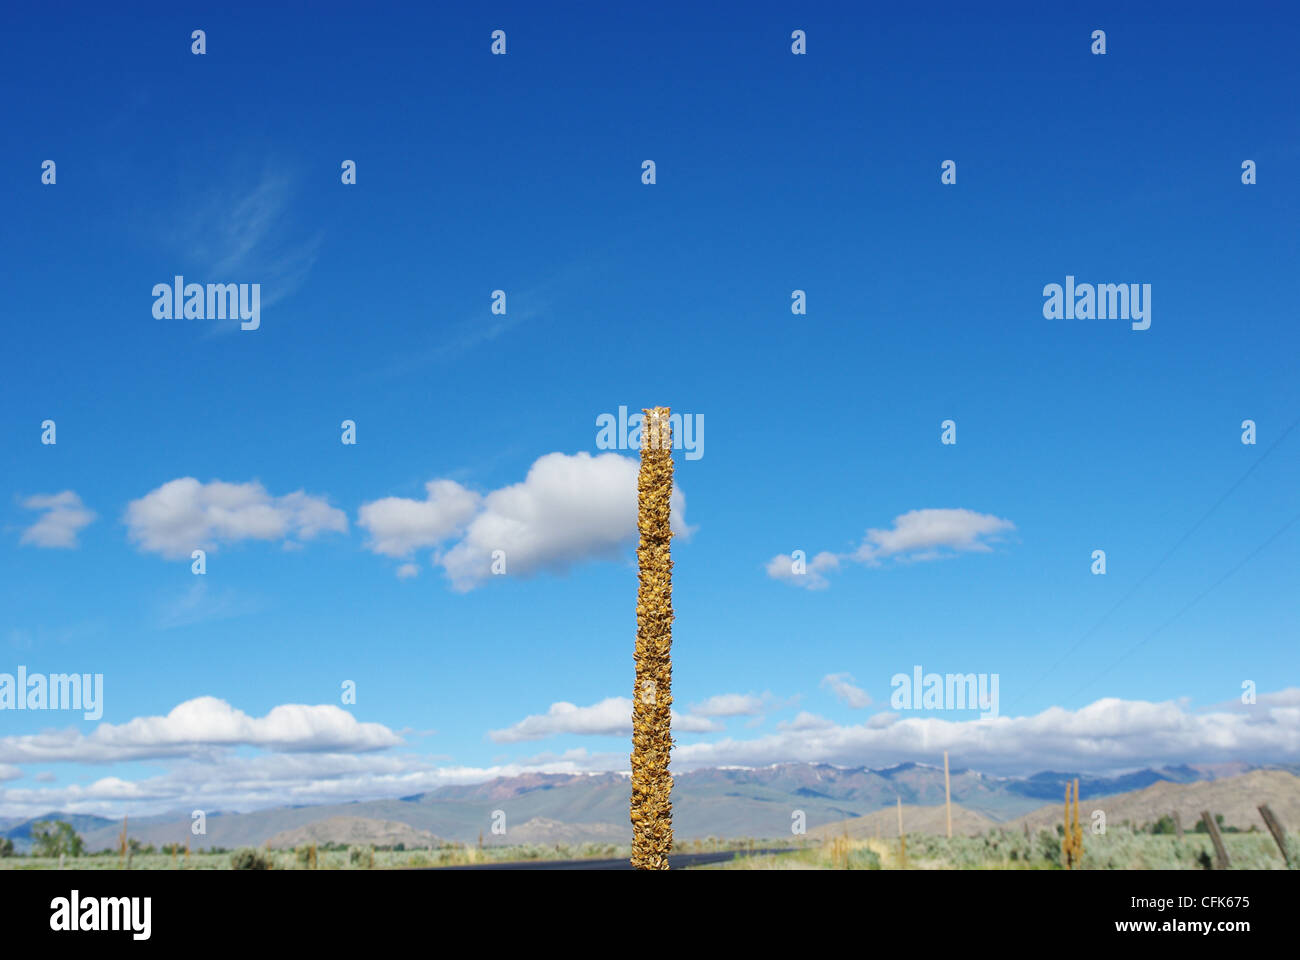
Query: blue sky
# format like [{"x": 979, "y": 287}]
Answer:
[{"x": 523, "y": 172}]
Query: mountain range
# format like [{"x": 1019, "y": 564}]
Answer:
[{"x": 719, "y": 802}]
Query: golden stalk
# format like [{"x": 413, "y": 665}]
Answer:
[
  {"x": 652, "y": 811},
  {"x": 1072, "y": 840}
]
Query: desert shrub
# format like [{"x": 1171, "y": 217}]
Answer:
[
  {"x": 1165, "y": 825},
  {"x": 306, "y": 856},
  {"x": 249, "y": 858},
  {"x": 1049, "y": 847},
  {"x": 1292, "y": 852},
  {"x": 863, "y": 860}
]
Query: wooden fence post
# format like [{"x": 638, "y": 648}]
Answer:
[
  {"x": 1220, "y": 852},
  {"x": 1275, "y": 828},
  {"x": 1178, "y": 825},
  {"x": 902, "y": 844},
  {"x": 947, "y": 792}
]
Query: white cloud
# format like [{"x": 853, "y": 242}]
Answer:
[
  {"x": 567, "y": 510},
  {"x": 781, "y": 567},
  {"x": 1289, "y": 697},
  {"x": 1106, "y": 736},
  {"x": 9, "y": 772},
  {"x": 408, "y": 570},
  {"x": 227, "y": 780},
  {"x": 611, "y": 717},
  {"x": 923, "y": 533},
  {"x": 841, "y": 684},
  {"x": 398, "y": 525},
  {"x": 198, "y": 725},
  {"x": 916, "y": 535},
  {"x": 184, "y": 514},
  {"x": 692, "y": 723},
  {"x": 806, "y": 721},
  {"x": 731, "y": 705},
  {"x": 64, "y": 517}
]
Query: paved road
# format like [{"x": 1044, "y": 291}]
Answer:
[{"x": 677, "y": 861}]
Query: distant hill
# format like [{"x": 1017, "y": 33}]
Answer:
[
  {"x": 884, "y": 823},
  {"x": 1237, "y": 798},
  {"x": 20, "y": 831},
  {"x": 543, "y": 831},
  {"x": 719, "y": 802},
  {"x": 361, "y": 831}
]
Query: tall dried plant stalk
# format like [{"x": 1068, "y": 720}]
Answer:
[
  {"x": 652, "y": 811},
  {"x": 1072, "y": 839}
]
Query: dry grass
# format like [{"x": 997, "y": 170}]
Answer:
[{"x": 1009, "y": 850}]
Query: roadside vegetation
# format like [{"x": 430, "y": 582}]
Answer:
[
  {"x": 1151, "y": 847},
  {"x": 59, "y": 838},
  {"x": 1013, "y": 850}
]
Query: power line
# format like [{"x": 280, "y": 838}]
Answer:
[
  {"x": 1195, "y": 600},
  {"x": 1161, "y": 562}
]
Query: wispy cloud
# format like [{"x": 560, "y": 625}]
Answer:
[
  {"x": 841, "y": 684},
  {"x": 242, "y": 231},
  {"x": 733, "y": 705},
  {"x": 524, "y": 307},
  {"x": 199, "y": 603},
  {"x": 915, "y": 536},
  {"x": 63, "y": 518}
]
